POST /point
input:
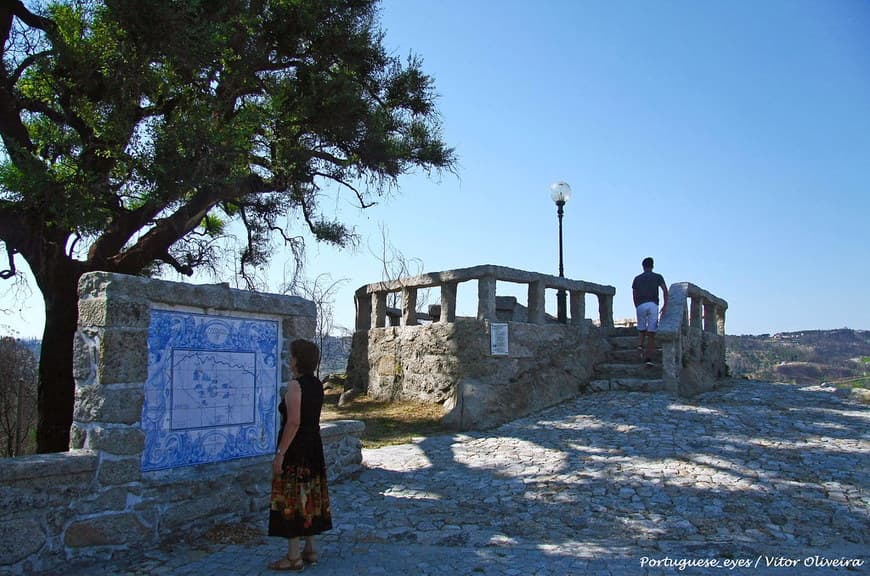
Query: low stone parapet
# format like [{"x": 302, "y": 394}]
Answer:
[
  {"x": 342, "y": 448},
  {"x": 59, "y": 506},
  {"x": 152, "y": 464}
]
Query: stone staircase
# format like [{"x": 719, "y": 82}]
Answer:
[{"x": 624, "y": 368}]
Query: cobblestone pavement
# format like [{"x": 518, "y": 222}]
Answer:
[{"x": 754, "y": 478}]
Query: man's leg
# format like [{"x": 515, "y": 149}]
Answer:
[
  {"x": 653, "y": 311},
  {"x": 641, "y": 327},
  {"x": 650, "y": 347}
]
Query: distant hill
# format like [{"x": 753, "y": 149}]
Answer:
[{"x": 806, "y": 357}]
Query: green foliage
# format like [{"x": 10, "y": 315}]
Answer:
[
  {"x": 134, "y": 131},
  {"x": 130, "y": 112}
]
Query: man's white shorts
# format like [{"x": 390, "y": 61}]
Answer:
[{"x": 648, "y": 317}]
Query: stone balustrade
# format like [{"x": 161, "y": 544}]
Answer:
[
  {"x": 371, "y": 299},
  {"x": 692, "y": 335}
]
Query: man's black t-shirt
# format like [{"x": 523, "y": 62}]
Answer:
[{"x": 647, "y": 286}]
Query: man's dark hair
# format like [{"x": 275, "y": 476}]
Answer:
[
  {"x": 647, "y": 262},
  {"x": 307, "y": 355}
]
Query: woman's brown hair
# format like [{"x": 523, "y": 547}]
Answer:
[{"x": 307, "y": 355}]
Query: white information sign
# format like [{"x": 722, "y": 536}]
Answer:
[{"x": 498, "y": 338}]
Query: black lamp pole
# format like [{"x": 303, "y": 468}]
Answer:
[
  {"x": 561, "y": 306},
  {"x": 561, "y": 192}
]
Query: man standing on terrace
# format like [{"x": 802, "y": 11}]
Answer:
[{"x": 645, "y": 289}]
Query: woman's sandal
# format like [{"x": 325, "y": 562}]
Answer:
[
  {"x": 309, "y": 557},
  {"x": 287, "y": 563}
]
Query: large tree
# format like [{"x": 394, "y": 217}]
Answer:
[{"x": 134, "y": 130}]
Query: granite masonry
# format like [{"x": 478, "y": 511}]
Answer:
[
  {"x": 100, "y": 498},
  {"x": 513, "y": 360}
]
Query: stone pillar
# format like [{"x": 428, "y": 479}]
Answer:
[
  {"x": 696, "y": 320},
  {"x": 409, "y": 306},
  {"x": 709, "y": 316},
  {"x": 363, "y": 310},
  {"x": 448, "y": 302},
  {"x": 720, "y": 321},
  {"x": 486, "y": 298},
  {"x": 536, "y": 302},
  {"x": 110, "y": 361},
  {"x": 379, "y": 309},
  {"x": 605, "y": 310},
  {"x": 578, "y": 306}
]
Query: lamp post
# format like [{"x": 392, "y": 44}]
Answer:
[{"x": 560, "y": 192}]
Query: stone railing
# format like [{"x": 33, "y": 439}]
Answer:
[
  {"x": 371, "y": 299},
  {"x": 79, "y": 504},
  {"x": 692, "y": 335}
]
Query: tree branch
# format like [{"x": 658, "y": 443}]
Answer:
[
  {"x": 25, "y": 63},
  {"x": 362, "y": 203},
  {"x": 7, "y": 274},
  {"x": 33, "y": 20},
  {"x": 184, "y": 269},
  {"x": 167, "y": 231}
]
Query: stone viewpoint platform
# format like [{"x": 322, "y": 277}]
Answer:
[{"x": 752, "y": 478}]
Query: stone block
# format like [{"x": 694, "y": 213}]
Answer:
[
  {"x": 294, "y": 327},
  {"x": 108, "y": 530},
  {"x": 123, "y": 441},
  {"x": 114, "y": 312},
  {"x": 78, "y": 435},
  {"x": 109, "y": 405},
  {"x": 115, "y": 471},
  {"x": 84, "y": 357},
  {"x": 19, "y": 538},
  {"x": 114, "y": 500},
  {"x": 41, "y": 471},
  {"x": 191, "y": 509},
  {"x": 123, "y": 356}
]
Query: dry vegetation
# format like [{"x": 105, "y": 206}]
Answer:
[{"x": 387, "y": 423}]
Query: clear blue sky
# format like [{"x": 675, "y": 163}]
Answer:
[{"x": 729, "y": 140}]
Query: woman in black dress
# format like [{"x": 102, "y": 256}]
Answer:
[{"x": 300, "y": 499}]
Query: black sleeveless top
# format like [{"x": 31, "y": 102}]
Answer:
[{"x": 307, "y": 446}]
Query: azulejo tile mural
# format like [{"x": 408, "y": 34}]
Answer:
[{"x": 211, "y": 393}]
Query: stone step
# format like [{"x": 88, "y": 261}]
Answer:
[
  {"x": 623, "y": 342},
  {"x": 621, "y": 331},
  {"x": 610, "y": 370},
  {"x": 631, "y": 356},
  {"x": 628, "y": 384}
]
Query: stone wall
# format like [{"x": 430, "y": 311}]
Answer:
[
  {"x": 95, "y": 500},
  {"x": 452, "y": 364},
  {"x": 692, "y": 336}
]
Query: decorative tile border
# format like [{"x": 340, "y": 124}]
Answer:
[{"x": 211, "y": 393}]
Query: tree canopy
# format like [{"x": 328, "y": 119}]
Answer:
[{"x": 133, "y": 131}]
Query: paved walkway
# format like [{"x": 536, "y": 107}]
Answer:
[{"x": 754, "y": 478}]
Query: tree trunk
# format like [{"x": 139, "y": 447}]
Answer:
[{"x": 56, "y": 384}]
